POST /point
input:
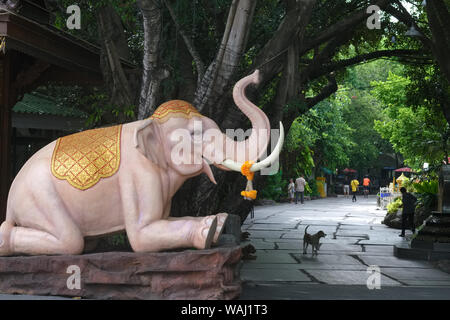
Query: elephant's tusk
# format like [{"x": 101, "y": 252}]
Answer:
[
  {"x": 235, "y": 166},
  {"x": 273, "y": 156}
]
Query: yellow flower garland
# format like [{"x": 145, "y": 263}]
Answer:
[{"x": 249, "y": 193}]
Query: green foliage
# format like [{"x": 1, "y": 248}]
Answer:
[
  {"x": 311, "y": 189},
  {"x": 319, "y": 138},
  {"x": 409, "y": 185},
  {"x": 93, "y": 101},
  {"x": 393, "y": 207},
  {"x": 426, "y": 192},
  {"x": 362, "y": 109},
  {"x": 419, "y": 133},
  {"x": 428, "y": 186},
  {"x": 275, "y": 188},
  {"x": 339, "y": 131}
]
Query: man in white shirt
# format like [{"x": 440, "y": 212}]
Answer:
[{"x": 300, "y": 189}]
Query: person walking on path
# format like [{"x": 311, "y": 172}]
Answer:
[
  {"x": 366, "y": 184},
  {"x": 346, "y": 187},
  {"x": 354, "y": 184},
  {"x": 300, "y": 189},
  {"x": 409, "y": 206},
  {"x": 291, "y": 190}
]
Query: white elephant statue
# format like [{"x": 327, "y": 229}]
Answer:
[{"x": 107, "y": 180}]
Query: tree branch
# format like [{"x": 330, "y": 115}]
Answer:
[
  {"x": 273, "y": 54},
  {"x": 439, "y": 17},
  {"x": 111, "y": 65},
  {"x": 342, "y": 26},
  {"x": 189, "y": 44},
  {"x": 403, "y": 16},
  {"x": 324, "y": 69},
  {"x": 326, "y": 91}
]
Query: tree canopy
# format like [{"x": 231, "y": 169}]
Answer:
[{"x": 196, "y": 50}]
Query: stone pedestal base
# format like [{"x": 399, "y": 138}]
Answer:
[
  {"x": 432, "y": 241},
  {"x": 190, "y": 274}
]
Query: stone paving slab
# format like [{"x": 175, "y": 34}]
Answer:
[
  {"x": 261, "y": 244},
  {"x": 323, "y": 259},
  {"x": 282, "y": 240},
  {"x": 339, "y": 247},
  {"x": 270, "y": 226},
  {"x": 358, "y": 229},
  {"x": 427, "y": 283},
  {"x": 272, "y": 256},
  {"x": 345, "y": 234},
  {"x": 315, "y": 291},
  {"x": 339, "y": 240},
  {"x": 359, "y": 240},
  {"x": 316, "y": 228},
  {"x": 348, "y": 277},
  {"x": 281, "y": 266},
  {"x": 274, "y": 275},
  {"x": 324, "y": 266},
  {"x": 416, "y": 274},
  {"x": 323, "y": 222},
  {"x": 293, "y": 235},
  {"x": 291, "y": 245},
  {"x": 383, "y": 242},
  {"x": 266, "y": 234},
  {"x": 352, "y": 240},
  {"x": 386, "y": 250},
  {"x": 386, "y": 261},
  {"x": 275, "y": 220}
]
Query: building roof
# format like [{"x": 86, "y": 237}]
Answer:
[
  {"x": 36, "y": 103},
  {"x": 26, "y": 31}
]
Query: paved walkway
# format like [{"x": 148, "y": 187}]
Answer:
[{"x": 355, "y": 240}]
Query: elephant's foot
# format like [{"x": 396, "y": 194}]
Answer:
[
  {"x": 204, "y": 237},
  {"x": 5, "y": 236},
  {"x": 221, "y": 219}
]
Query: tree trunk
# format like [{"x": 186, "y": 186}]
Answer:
[
  {"x": 114, "y": 47},
  {"x": 153, "y": 74},
  {"x": 198, "y": 196}
]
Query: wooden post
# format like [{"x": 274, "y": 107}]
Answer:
[{"x": 5, "y": 133}]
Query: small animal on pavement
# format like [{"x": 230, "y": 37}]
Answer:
[{"x": 313, "y": 240}]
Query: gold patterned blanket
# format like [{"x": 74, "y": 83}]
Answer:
[{"x": 84, "y": 158}]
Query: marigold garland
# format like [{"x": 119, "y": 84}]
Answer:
[{"x": 249, "y": 193}]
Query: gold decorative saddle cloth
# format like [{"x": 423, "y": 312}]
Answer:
[{"x": 84, "y": 158}]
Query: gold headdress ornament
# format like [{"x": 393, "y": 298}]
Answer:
[{"x": 175, "y": 108}]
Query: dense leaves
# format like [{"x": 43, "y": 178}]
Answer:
[{"x": 419, "y": 133}]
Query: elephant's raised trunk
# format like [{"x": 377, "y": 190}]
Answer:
[
  {"x": 254, "y": 147},
  {"x": 260, "y": 135}
]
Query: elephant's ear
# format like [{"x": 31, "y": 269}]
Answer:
[{"x": 148, "y": 140}]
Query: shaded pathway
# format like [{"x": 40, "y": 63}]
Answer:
[{"x": 355, "y": 240}]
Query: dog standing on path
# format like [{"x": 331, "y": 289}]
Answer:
[{"x": 312, "y": 240}]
